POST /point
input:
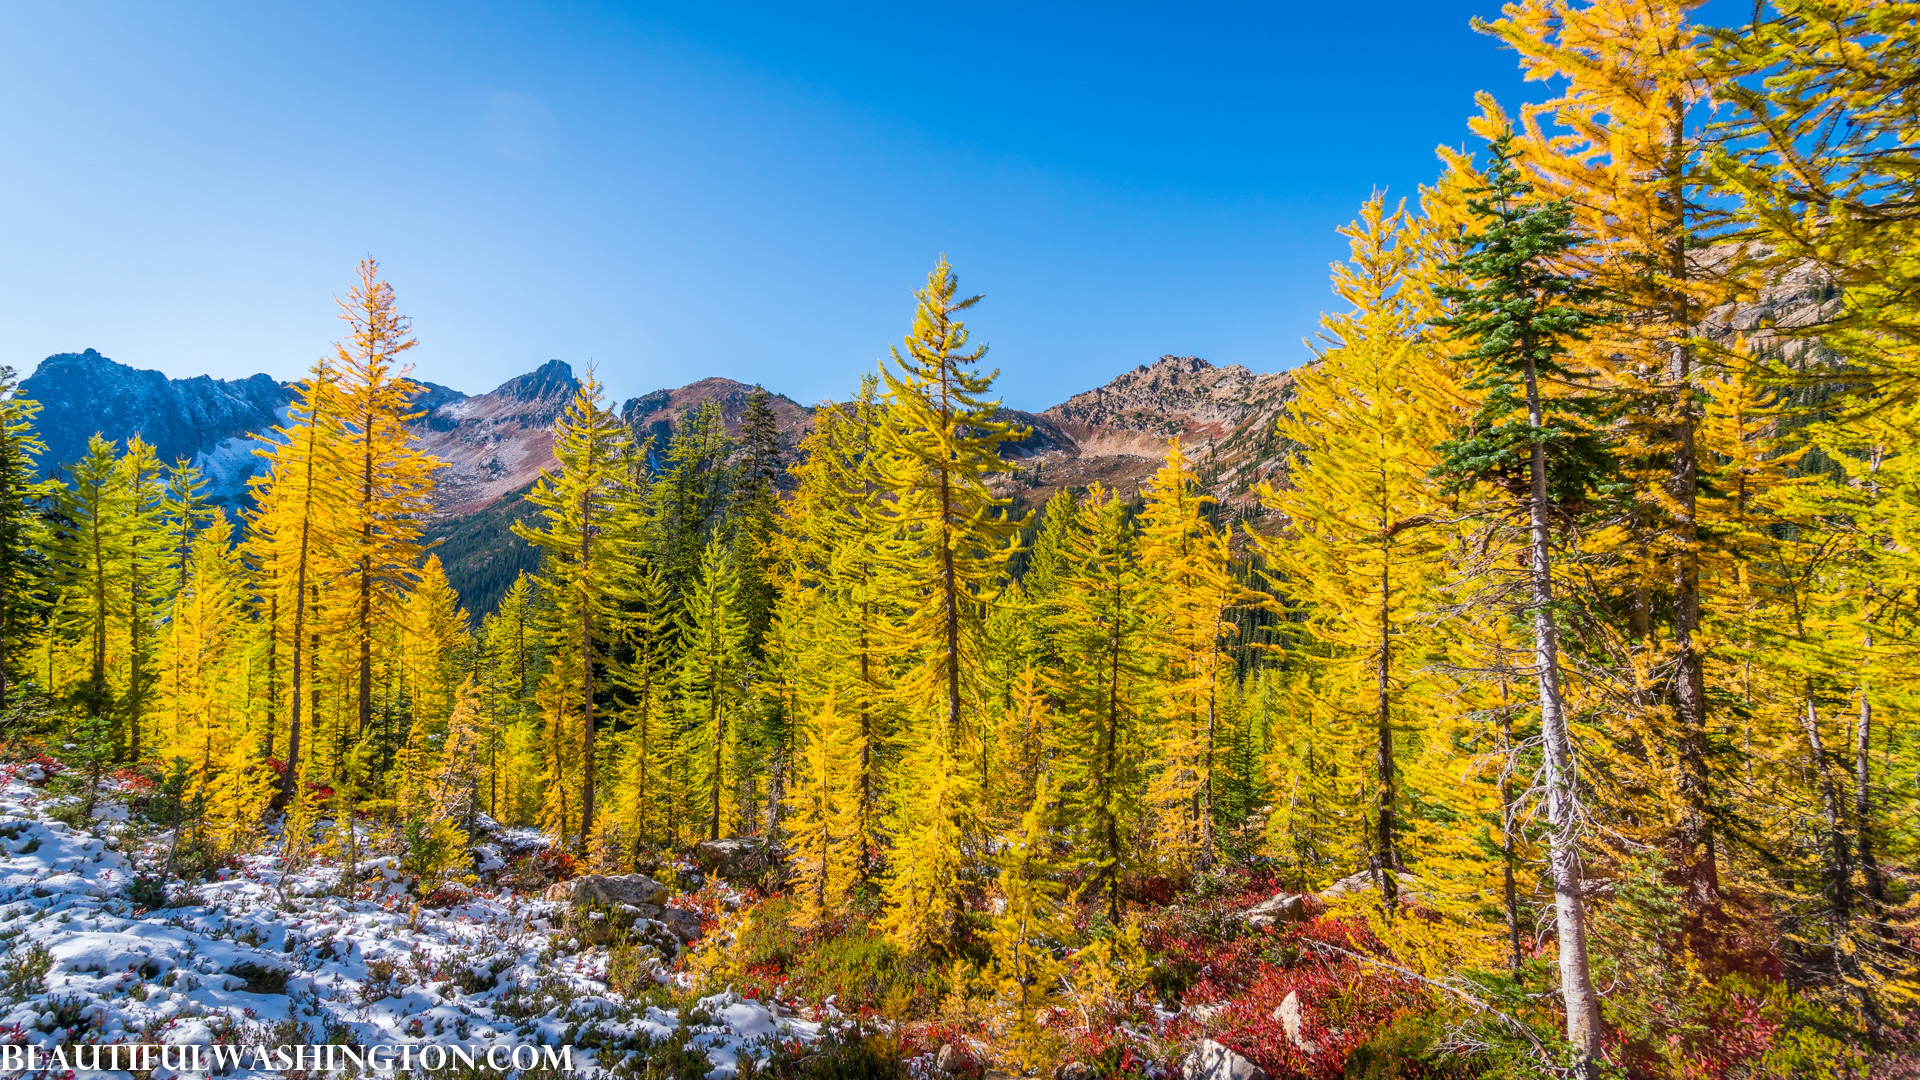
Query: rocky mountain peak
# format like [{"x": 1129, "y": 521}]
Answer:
[
  {"x": 551, "y": 379},
  {"x": 1117, "y": 434},
  {"x": 658, "y": 414},
  {"x": 210, "y": 422}
]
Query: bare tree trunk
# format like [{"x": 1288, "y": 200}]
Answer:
[{"x": 1570, "y": 916}]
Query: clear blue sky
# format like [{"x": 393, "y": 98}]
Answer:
[{"x": 681, "y": 190}]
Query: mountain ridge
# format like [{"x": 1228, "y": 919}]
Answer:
[{"x": 495, "y": 444}]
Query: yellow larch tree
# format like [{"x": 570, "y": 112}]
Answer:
[
  {"x": 389, "y": 483},
  {"x": 711, "y": 685},
  {"x": 1102, "y": 736},
  {"x": 823, "y": 819},
  {"x": 1360, "y": 558},
  {"x": 578, "y": 504},
  {"x": 939, "y": 439},
  {"x": 1627, "y": 149},
  {"x": 1187, "y": 560},
  {"x": 295, "y": 531}
]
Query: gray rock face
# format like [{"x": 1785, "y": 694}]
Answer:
[
  {"x": 600, "y": 890},
  {"x": 1281, "y": 908},
  {"x": 210, "y": 422},
  {"x": 1211, "y": 1061},
  {"x": 735, "y": 858}
]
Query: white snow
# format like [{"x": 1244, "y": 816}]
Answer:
[{"x": 231, "y": 963}]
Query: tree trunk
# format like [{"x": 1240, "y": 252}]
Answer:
[
  {"x": 1699, "y": 863},
  {"x": 1863, "y": 784},
  {"x": 1570, "y": 916},
  {"x": 1385, "y": 859},
  {"x": 586, "y": 659},
  {"x": 1508, "y": 814}
]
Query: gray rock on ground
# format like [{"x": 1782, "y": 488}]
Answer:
[
  {"x": 1280, "y": 908},
  {"x": 736, "y": 858},
  {"x": 602, "y": 890},
  {"x": 1406, "y": 886},
  {"x": 1211, "y": 1061},
  {"x": 952, "y": 1060},
  {"x": 682, "y": 924},
  {"x": 1291, "y": 1018},
  {"x": 1074, "y": 1070}
]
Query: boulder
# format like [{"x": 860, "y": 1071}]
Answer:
[
  {"x": 954, "y": 1060},
  {"x": 1075, "y": 1070},
  {"x": 682, "y": 924},
  {"x": 602, "y": 890},
  {"x": 1280, "y": 908},
  {"x": 736, "y": 859},
  {"x": 1289, "y": 1016},
  {"x": 1211, "y": 1061},
  {"x": 1406, "y": 886}
]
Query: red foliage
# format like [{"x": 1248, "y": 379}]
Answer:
[
  {"x": 1342, "y": 1003},
  {"x": 49, "y": 768},
  {"x": 556, "y": 865},
  {"x": 1153, "y": 891},
  {"x": 445, "y": 897},
  {"x": 131, "y": 779}
]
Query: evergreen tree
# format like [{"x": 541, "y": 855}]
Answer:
[
  {"x": 577, "y": 507},
  {"x": 22, "y": 536},
  {"x": 1518, "y": 316}
]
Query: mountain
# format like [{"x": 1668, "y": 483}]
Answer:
[
  {"x": 497, "y": 443},
  {"x": 214, "y": 423},
  {"x": 211, "y": 422},
  {"x": 658, "y": 413},
  {"x": 1117, "y": 434}
]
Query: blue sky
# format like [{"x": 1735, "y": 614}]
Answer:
[{"x": 671, "y": 191}]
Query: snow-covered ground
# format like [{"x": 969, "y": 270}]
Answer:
[{"x": 257, "y": 960}]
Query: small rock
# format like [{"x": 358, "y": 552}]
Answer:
[
  {"x": 1211, "y": 1061},
  {"x": 955, "y": 1061},
  {"x": 1288, "y": 1014},
  {"x": 1074, "y": 1070}
]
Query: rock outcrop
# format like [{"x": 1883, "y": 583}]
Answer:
[
  {"x": 609, "y": 890},
  {"x": 736, "y": 859},
  {"x": 1280, "y": 908},
  {"x": 603, "y": 908},
  {"x": 1212, "y": 1061},
  {"x": 210, "y": 422}
]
